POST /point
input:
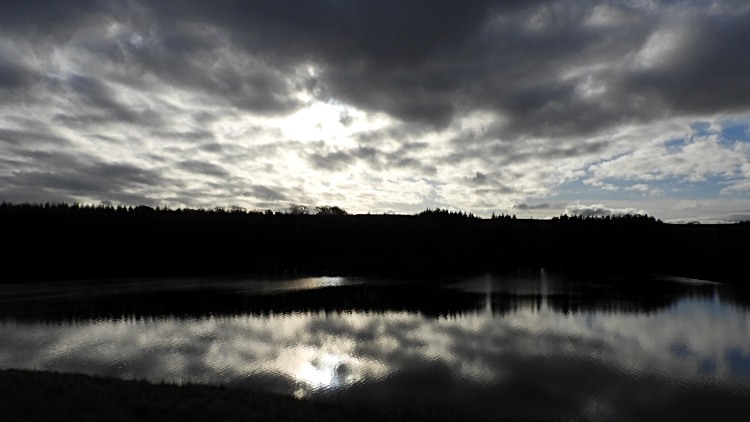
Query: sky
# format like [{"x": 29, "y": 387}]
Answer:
[{"x": 533, "y": 108}]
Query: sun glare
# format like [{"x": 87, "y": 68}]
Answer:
[
  {"x": 320, "y": 371},
  {"x": 331, "y": 122}
]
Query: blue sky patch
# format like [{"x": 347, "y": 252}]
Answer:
[
  {"x": 701, "y": 128},
  {"x": 675, "y": 145},
  {"x": 736, "y": 133},
  {"x": 673, "y": 187}
]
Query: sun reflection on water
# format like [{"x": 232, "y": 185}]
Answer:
[
  {"x": 592, "y": 358},
  {"x": 320, "y": 370}
]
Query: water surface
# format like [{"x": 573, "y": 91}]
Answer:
[{"x": 524, "y": 345}]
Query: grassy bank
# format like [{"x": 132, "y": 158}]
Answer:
[{"x": 45, "y": 396}]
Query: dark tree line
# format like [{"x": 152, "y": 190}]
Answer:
[
  {"x": 437, "y": 212},
  {"x": 295, "y": 209},
  {"x": 72, "y": 241}
]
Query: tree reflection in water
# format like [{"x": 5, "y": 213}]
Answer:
[{"x": 524, "y": 345}]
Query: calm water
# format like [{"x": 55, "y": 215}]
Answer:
[{"x": 521, "y": 345}]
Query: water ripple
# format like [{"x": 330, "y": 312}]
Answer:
[{"x": 523, "y": 356}]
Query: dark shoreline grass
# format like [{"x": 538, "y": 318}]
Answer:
[{"x": 50, "y": 396}]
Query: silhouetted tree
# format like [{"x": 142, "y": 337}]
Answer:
[
  {"x": 329, "y": 210},
  {"x": 297, "y": 209},
  {"x": 234, "y": 209}
]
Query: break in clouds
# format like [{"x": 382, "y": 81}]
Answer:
[{"x": 526, "y": 107}]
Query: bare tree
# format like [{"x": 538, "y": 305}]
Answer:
[
  {"x": 235, "y": 209},
  {"x": 298, "y": 209},
  {"x": 330, "y": 210}
]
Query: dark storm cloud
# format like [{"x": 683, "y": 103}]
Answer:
[
  {"x": 426, "y": 61},
  {"x": 265, "y": 193},
  {"x": 93, "y": 103},
  {"x": 374, "y": 52},
  {"x": 497, "y": 189},
  {"x": 488, "y": 150},
  {"x": 102, "y": 101},
  {"x": 201, "y": 167},
  {"x": 478, "y": 180},
  {"x": 708, "y": 76},
  {"x": 13, "y": 76},
  {"x": 213, "y": 147},
  {"x": 374, "y": 158},
  {"x": 188, "y": 55},
  {"x": 183, "y": 50},
  {"x": 22, "y": 138},
  {"x": 192, "y": 136},
  {"x": 100, "y": 178},
  {"x": 543, "y": 206},
  {"x": 65, "y": 177},
  {"x": 59, "y": 176},
  {"x": 335, "y": 161},
  {"x": 50, "y": 17},
  {"x": 387, "y": 32}
]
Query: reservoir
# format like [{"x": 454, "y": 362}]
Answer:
[{"x": 521, "y": 344}]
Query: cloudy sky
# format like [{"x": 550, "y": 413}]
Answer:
[{"x": 527, "y": 107}]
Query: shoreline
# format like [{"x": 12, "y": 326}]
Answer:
[{"x": 30, "y": 395}]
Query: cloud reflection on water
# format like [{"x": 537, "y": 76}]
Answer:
[{"x": 531, "y": 362}]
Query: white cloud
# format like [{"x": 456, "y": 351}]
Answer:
[
  {"x": 741, "y": 185},
  {"x": 663, "y": 47},
  {"x": 698, "y": 158},
  {"x": 599, "y": 210}
]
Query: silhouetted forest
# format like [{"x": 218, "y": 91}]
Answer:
[{"x": 62, "y": 241}]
